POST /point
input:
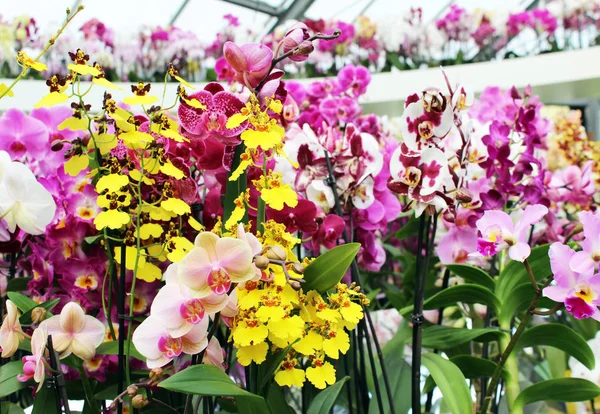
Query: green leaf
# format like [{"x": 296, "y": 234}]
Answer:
[
  {"x": 8, "y": 378},
  {"x": 562, "y": 389},
  {"x": 268, "y": 368},
  {"x": 325, "y": 400},
  {"x": 18, "y": 284},
  {"x": 466, "y": 293},
  {"x": 446, "y": 337},
  {"x": 451, "y": 382},
  {"x": 276, "y": 400},
  {"x": 561, "y": 337},
  {"x": 93, "y": 239},
  {"x": 45, "y": 401},
  {"x": 21, "y": 301},
  {"x": 411, "y": 228},
  {"x": 473, "y": 274},
  {"x": 514, "y": 274},
  {"x": 112, "y": 348},
  {"x": 209, "y": 380},
  {"x": 25, "y": 319},
  {"x": 471, "y": 367},
  {"x": 399, "y": 376},
  {"x": 234, "y": 188},
  {"x": 518, "y": 300},
  {"x": 10, "y": 408},
  {"x": 327, "y": 270}
]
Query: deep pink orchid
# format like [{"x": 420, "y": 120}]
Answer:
[
  {"x": 251, "y": 62},
  {"x": 22, "y": 135}
]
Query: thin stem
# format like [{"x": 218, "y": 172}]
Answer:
[
  {"x": 58, "y": 379},
  {"x": 531, "y": 275},
  {"x": 121, "y": 318},
  {"x": 552, "y": 311}
]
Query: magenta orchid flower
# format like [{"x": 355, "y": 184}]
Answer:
[
  {"x": 586, "y": 261},
  {"x": 11, "y": 333},
  {"x": 214, "y": 264},
  {"x": 34, "y": 366},
  {"x": 251, "y": 62},
  {"x": 580, "y": 292},
  {"x": 75, "y": 332},
  {"x": 500, "y": 231},
  {"x": 22, "y": 135},
  {"x": 354, "y": 79},
  {"x": 218, "y": 107},
  {"x": 152, "y": 340}
]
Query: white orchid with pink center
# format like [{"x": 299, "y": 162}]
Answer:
[
  {"x": 75, "y": 332},
  {"x": 153, "y": 340},
  {"x": 420, "y": 176},
  {"x": 500, "y": 231}
]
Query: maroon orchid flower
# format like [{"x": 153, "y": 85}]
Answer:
[{"x": 301, "y": 217}]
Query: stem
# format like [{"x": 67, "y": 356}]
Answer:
[
  {"x": 58, "y": 378},
  {"x": 531, "y": 276},
  {"x": 512, "y": 384},
  {"x": 121, "y": 318},
  {"x": 88, "y": 392}
]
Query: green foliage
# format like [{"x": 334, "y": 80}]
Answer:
[
  {"x": 328, "y": 269},
  {"x": 8, "y": 378},
  {"x": 18, "y": 284},
  {"x": 445, "y": 337},
  {"x": 561, "y": 337},
  {"x": 276, "y": 400},
  {"x": 471, "y": 367},
  {"x": 234, "y": 188},
  {"x": 451, "y": 382},
  {"x": 45, "y": 401},
  {"x": 112, "y": 348},
  {"x": 473, "y": 274},
  {"x": 515, "y": 274},
  {"x": 466, "y": 293},
  {"x": 325, "y": 400},
  {"x": 10, "y": 408},
  {"x": 562, "y": 389},
  {"x": 209, "y": 380}
]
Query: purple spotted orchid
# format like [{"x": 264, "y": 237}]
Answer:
[
  {"x": 500, "y": 231},
  {"x": 210, "y": 122},
  {"x": 580, "y": 292}
]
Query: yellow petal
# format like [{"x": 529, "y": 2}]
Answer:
[
  {"x": 174, "y": 135},
  {"x": 236, "y": 216},
  {"x": 76, "y": 164},
  {"x": 290, "y": 377},
  {"x": 183, "y": 82},
  {"x": 113, "y": 219},
  {"x": 149, "y": 273},
  {"x": 84, "y": 69},
  {"x": 4, "y": 88},
  {"x": 131, "y": 256},
  {"x": 119, "y": 114},
  {"x": 235, "y": 121},
  {"x": 275, "y": 106},
  {"x": 278, "y": 196},
  {"x": 194, "y": 103},
  {"x": 105, "y": 143},
  {"x": 151, "y": 165},
  {"x": 256, "y": 353},
  {"x": 53, "y": 98},
  {"x": 244, "y": 164},
  {"x": 112, "y": 182},
  {"x": 140, "y": 100},
  {"x": 136, "y": 175},
  {"x": 182, "y": 247},
  {"x": 40, "y": 67},
  {"x": 264, "y": 139},
  {"x": 107, "y": 84},
  {"x": 195, "y": 224},
  {"x": 74, "y": 124},
  {"x": 172, "y": 171},
  {"x": 136, "y": 139},
  {"x": 148, "y": 230},
  {"x": 176, "y": 206},
  {"x": 321, "y": 376}
]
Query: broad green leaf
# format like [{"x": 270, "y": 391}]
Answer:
[
  {"x": 471, "y": 367},
  {"x": 44, "y": 401},
  {"x": 519, "y": 299},
  {"x": 586, "y": 327},
  {"x": 466, "y": 293},
  {"x": 399, "y": 375},
  {"x": 451, "y": 382},
  {"x": 276, "y": 400},
  {"x": 48, "y": 305},
  {"x": 8, "y": 378},
  {"x": 112, "y": 348},
  {"x": 327, "y": 270},
  {"x": 234, "y": 188},
  {"x": 18, "y": 284},
  {"x": 267, "y": 369},
  {"x": 411, "y": 228},
  {"x": 10, "y": 408},
  {"x": 562, "y": 389},
  {"x": 514, "y": 274},
  {"x": 445, "y": 337},
  {"x": 325, "y": 400},
  {"x": 21, "y": 301},
  {"x": 561, "y": 337},
  {"x": 473, "y": 274},
  {"x": 209, "y": 380}
]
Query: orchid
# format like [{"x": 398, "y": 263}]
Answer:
[
  {"x": 34, "y": 366},
  {"x": 500, "y": 231},
  {"x": 587, "y": 260},
  {"x": 251, "y": 62},
  {"x": 11, "y": 333},
  {"x": 75, "y": 332}
]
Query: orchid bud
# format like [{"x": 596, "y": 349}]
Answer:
[
  {"x": 433, "y": 100},
  {"x": 113, "y": 406},
  {"x": 56, "y": 145},
  {"x": 464, "y": 196},
  {"x": 261, "y": 262},
  {"x": 38, "y": 315},
  {"x": 132, "y": 390},
  {"x": 234, "y": 56},
  {"x": 514, "y": 93},
  {"x": 297, "y": 38},
  {"x": 155, "y": 374},
  {"x": 276, "y": 253},
  {"x": 139, "y": 401},
  {"x": 295, "y": 285},
  {"x": 298, "y": 268}
]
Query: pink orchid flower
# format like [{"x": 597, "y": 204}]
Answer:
[
  {"x": 152, "y": 340},
  {"x": 215, "y": 355},
  {"x": 586, "y": 261},
  {"x": 75, "y": 332},
  {"x": 34, "y": 366},
  {"x": 214, "y": 264},
  {"x": 11, "y": 333},
  {"x": 580, "y": 292},
  {"x": 500, "y": 231},
  {"x": 251, "y": 62}
]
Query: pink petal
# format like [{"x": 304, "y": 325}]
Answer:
[
  {"x": 519, "y": 251},
  {"x": 193, "y": 271},
  {"x": 94, "y": 330},
  {"x": 84, "y": 347},
  {"x": 208, "y": 241},
  {"x": 591, "y": 231},
  {"x": 556, "y": 293},
  {"x": 72, "y": 318},
  {"x": 560, "y": 257},
  {"x": 235, "y": 257},
  {"x": 532, "y": 215},
  {"x": 495, "y": 218},
  {"x": 145, "y": 338},
  {"x": 581, "y": 262},
  {"x": 195, "y": 340}
]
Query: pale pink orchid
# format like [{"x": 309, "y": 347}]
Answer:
[
  {"x": 178, "y": 309},
  {"x": 231, "y": 310},
  {"x": 152, "y": 340},
  {"x": 251, "y": 62},
  {"x": 254, "y": 244},
  {"x": 215, "y": 263},
  {"x": 11, "y": 333},
  {"x": 455, "y": 246},
  {"x": 580, "y": 292},
  {"x": 75, "y": 332},
  {"x": 34, "y": 366},
  {"x": 586, "y": 261},
  {"x": 500, "y": 231},
  {"x": 215, "y": 355}
]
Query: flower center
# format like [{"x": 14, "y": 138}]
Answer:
[
  {"x": 585, "y": 292},
  {"x": 192, "y": 311},
  {"x": 426, "y": 129},
  {"x": 169, "y": 346},
  {"x": 87, "y": 282},
  {"x": 219, "y": 281},
  {"x": 412, "y": 176}
]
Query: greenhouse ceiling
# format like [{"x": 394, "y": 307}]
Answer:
[{"x": 204, "y": 17}]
